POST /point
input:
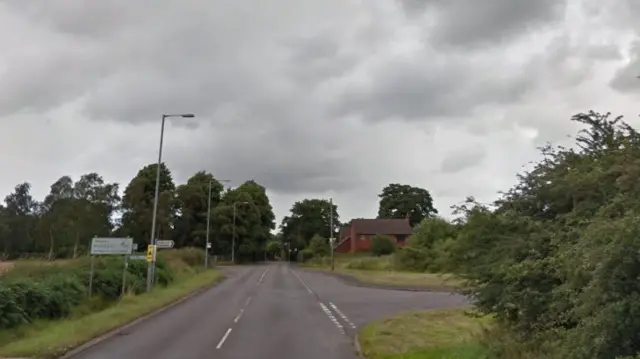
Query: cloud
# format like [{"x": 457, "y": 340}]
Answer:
[{"x": 309, "y": 98}]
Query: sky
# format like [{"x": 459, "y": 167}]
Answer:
[{"x": 312, "y": 99}]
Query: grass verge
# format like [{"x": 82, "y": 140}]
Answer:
[
  {"x": 431, "y": 334},
  {"x": 432, "y": 281},
  {"x": 53, "y": 338}
]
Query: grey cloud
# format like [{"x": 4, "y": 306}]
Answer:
[
  {"x": 468, "y": 22},
  {"x": 627, "y": 78},
  {"x": 419, "y": 89},
  {"x": 462, "y": 159}
]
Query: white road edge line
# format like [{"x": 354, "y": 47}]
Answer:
[
  {"x": 238, "y": 316},
  {"x": 332, "y": 317},
  {"x": 263, "y": 274},
  {"x": 344, "y": 317},
  {"x": 247, "y": 302},
  {"x": 224, "y": 338},
  {"x": 301, "y": 281}
]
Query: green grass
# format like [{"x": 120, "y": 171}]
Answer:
[
  {"x": 380, "y": 271},
  {"x": 49, "y": 339},
  {"x": 431, "y": 334}
]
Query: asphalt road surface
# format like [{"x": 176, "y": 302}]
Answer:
[{"x": 265, "y": 312}]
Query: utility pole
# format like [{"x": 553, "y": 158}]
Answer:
[
  {"x": 331, "y": 233},
  {"x": 208, "y": 243}
]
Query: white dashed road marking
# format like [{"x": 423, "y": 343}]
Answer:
[
  {"x": 344, "y": 317},
  {"x": 303, "y": 283},
  {"x": 262, "y": 277},
  {"x": 238, "y": 316},
  {"x": 332, "y": 317},
  {"x": 224, "y": 338},
  {"x": 247, "y": 302}
]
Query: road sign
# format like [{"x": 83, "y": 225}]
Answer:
[
  {"x": 138, "y": 257},
  {"x": 111, "y": 246},
  {"x": 150, "y": 253},
  {"x": 165, "y": 244}
]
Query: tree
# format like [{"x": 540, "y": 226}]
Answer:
[
  {"x": 137, "y": 204},
  {"x": 319, "y": 246},
  {"x": 76, "y": 212},
  {"x": 193, "y": 204},
  {"x": 308, "y": 218},
  {"x": 20, "y": 220},
  {"x": 404, "y": 201},
  {"x": 253, "y": 223}
]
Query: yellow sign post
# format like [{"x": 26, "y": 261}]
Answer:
[{"x": 150, "y": 252}]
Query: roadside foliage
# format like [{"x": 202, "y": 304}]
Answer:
[{"x": 62, "y": 225}]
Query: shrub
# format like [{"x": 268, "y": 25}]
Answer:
[
  {"x": 305, "y": 255},
  {"x": 382, "y": 245},
  {"x": 372, "y": 263},
  {"x": 319, "y": 246}
]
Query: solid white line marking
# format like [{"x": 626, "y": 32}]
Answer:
[
  {"x": 262, "y": 277},
  {"x": 344, "y": 317},
  {"x": 301, "y": 281},
  {"x": 247, "y": 302},
  {"x": 332, "y": 317},
  {"x": 239, "y": 315},
  {"x": 224, "y": 338}
]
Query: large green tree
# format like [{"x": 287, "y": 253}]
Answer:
[
  {"x": 73, "y": 213},
  {"x": 20, "y": 219},
  {"x": 193, "y": 204},
  {"x": 308, "y": 218},
  {"x": 137, "y": 205},
  {"x": 405, "y": 201},
  {"x": 254, "y": 221}
]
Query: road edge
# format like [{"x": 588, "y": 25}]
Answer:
[
  {"x": 351, "y": 280},
  {"x": 101, "y": 338}
]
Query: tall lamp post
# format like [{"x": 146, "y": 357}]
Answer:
[
  {"x": 152, "y": 264},
  {"x": 206, "y": 245},
  {"x": 233, "y": 238}
]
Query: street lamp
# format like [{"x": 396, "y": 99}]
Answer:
[
  {"x": 152, "y": 264},
  {"x": 206, "y": 245},
  {"x": 233, "y": 238}
]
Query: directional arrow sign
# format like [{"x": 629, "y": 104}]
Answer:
[{"x": 165, "y": 244}]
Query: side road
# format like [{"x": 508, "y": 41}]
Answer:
[
  {"x": 354, "y": 281},
  {"x": 264, "y": 311}
]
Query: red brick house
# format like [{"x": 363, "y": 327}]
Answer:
[{"x": 356, "y": 235}]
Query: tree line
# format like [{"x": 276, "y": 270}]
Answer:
[{"x": 63, "y": 224}]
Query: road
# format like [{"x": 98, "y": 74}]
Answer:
[{"x": 265, "y": 311}]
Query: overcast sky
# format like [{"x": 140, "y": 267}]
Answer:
[{"x": 331, "y": 98}]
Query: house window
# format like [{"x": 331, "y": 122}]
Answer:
[
  {"x": 401, "y": 238},
  {"x": 362, "y": 237}
]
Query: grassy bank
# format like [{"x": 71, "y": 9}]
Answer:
[
  {"x": 432, "y": 334},
  {"x": 50, "y": 337},
  {"x": 382, "y": 271}
]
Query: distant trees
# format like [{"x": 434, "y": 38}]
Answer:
[
  {"x": 63, "y": 224},
  {"x": 308, "y": 218}
]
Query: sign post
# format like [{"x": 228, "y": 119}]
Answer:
[
  {"x": 165, "y": 244},
  {"x": 111, "y": 246}
]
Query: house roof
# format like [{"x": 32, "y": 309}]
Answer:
[{"x": 380, "y": 226}]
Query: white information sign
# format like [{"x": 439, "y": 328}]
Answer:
[{"x": 111, "y": 246}]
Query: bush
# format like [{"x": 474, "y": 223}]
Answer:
[
  {"x": 30, "y": 291},
  {"x": 319, "y": 246},
  {"x": 305, "y": 255},
  {"x": 372, "y": 263},
  {"x": 382, "y": 245}
]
